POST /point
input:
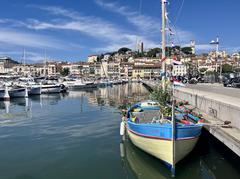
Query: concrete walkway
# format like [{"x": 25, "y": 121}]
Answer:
[{"x": 227, "y": 108}]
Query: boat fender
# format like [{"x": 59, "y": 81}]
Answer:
[
  {"x": 122, "y": 128},
  {"x": 122, "y": 152}
]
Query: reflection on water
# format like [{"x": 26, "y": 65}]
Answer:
[
  {"x": 76, "y": 135},
  {"x": 211, "y": 160}
]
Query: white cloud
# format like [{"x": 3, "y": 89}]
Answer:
[
  {"x": 204, "y": 47},
  {"x": 147, "y": 26},
  {"x": 144, "y": 23},
  {"x": 105, "y": 31},
  {"x": 26, "y": 39},
  {"x": 29, "y": 55}
]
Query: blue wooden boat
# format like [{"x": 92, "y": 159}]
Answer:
[{"x": 155, "y": 136}]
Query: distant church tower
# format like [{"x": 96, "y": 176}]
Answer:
[
  {"x": 140, "y": 47},
  {"x": 192, "y": 45}
]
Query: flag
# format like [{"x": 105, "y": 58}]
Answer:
[
  {"x": 176, "y": 62},
  {"x": 171, "y": 31}
]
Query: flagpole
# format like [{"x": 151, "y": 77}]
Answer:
[{"x": 163, "y": 45}]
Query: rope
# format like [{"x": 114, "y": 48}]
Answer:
[
  {"x": 139, "y": 13},
  {"x": 179, "y": 12}
]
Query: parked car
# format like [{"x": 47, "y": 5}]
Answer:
[{"x": 232, "y": 82}]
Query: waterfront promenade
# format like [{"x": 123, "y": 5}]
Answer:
[{"x": 217, "y": 104}]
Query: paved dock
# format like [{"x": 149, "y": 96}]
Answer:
[{"x": 217, "y": 104}]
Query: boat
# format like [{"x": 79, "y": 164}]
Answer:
[
  {"x": 79, "y": 84},
  {"x": 149, "y": 132},
  {"x": 4, "y": 94},
  {"x": 152, "y": 128},
  {"x": 29, "y": 83},
  {"x": 143, "y": 165},
  {"x": 34, "y": 90},
  {"x": 125, "y": 80},
  {"x": 51, "y": 88},
  {"x": 64, "y": 89},
  {"x": 18, "y": 92}
]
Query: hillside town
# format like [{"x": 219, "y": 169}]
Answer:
[{"x": 126, "y": 63}]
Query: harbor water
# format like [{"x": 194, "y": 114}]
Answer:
[{"x": 76, "y": 135}]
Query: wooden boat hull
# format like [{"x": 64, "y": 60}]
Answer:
[{"x": 162, "y": 147}]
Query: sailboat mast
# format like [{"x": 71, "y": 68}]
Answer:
[
  {"x": 173, "y": 138},
  {"x": 45, "y": 62},
  {"x": 24, "y": 57},
  {"x": 163, "y": 45}
]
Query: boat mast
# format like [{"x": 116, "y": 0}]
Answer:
[
  {"x": 45, "y": 63},
  {"x": 163, "y": 45},
  {"x": 164, "y": 2},
  {"x": 173, "y": 138},
  {"x": 24, "y": 58}
]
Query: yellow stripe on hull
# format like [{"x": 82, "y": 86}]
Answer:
[{"x": 163, "y": 149}]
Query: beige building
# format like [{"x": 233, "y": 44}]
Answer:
[
  {"x": 7, "y": 64},
  {"x": 92, "y": 58},
  {"x": 179, "y": 70},
  {"x": 148, "y": 70},
  {"x": 113, "y": 69}
]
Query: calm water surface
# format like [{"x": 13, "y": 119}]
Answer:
[{"x": 76, "y": 135}]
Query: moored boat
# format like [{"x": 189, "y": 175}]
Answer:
[
  {"x": 18, "y": 93},
  {"x": 4, "y": 94},
  {"x": 51, "y": 88},
  {"x": 34, "y": 90},
  {"x": 149, "y": 132}
]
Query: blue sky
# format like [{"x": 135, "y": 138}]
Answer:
[{"x": 73, "y": 29}]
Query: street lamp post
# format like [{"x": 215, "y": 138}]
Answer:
[{"x": 213, "y": 42}]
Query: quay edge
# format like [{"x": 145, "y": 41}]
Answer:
[{"x": 214, "y": 110}]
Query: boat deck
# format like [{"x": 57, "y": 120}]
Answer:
[{"x": 147, "y": 116}]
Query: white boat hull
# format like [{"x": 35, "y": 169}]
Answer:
[
  {"x": 50, "y": 89},
  {"x": 34, "y": 90}
]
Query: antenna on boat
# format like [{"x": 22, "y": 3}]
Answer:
[{"x": 164, "y": 45}]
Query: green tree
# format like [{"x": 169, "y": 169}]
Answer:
[
  {"x": 65, "y": 72},
  {"x": 208, "y": 73},
  {"x": 153, "y": 52},
  {"x": 100, "y": 57},
  {"x": 226, "y": 68},
  {"x": 203, "y": 70},
  {"x": 187, "y": 50},
  {"x": 163, "y": 97},
  {"x": 123, "y": 50}
]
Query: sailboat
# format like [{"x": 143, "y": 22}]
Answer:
[{"x": 162, "y": 137}]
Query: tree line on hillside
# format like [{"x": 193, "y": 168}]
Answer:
[{"x": 152, "y": 53}]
